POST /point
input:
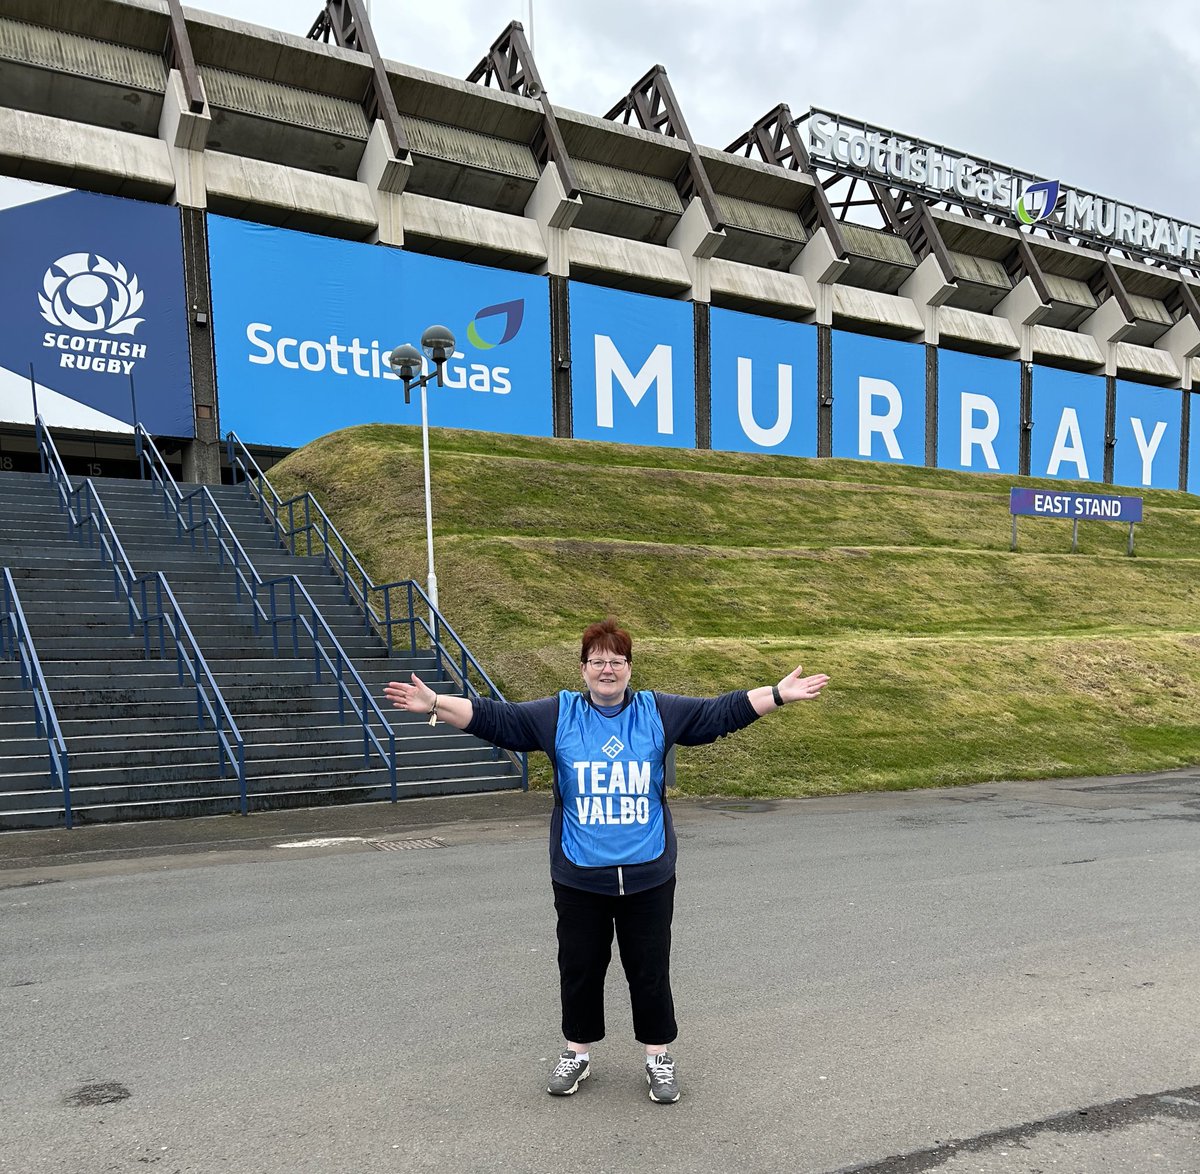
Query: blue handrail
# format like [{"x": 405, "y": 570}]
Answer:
[
  {"x": 358, "y": 587},
  {"x": 159, "y": 607},
  {"x": 86, "y": 514},
  {"x": 17, "y": 644},
  {"x": 339, "y": 665},
  {"x": 213, "y": 521},
  {"x": 52, "y": 465},
  {"x": 89, "y": 518}
]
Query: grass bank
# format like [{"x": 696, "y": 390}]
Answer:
[{"x": 953, "y": 659}]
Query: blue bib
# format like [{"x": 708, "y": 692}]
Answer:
[{"x": 610, "y": 780}]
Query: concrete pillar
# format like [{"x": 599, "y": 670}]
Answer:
[
  {"x": 201, "y": 456},
  {"x": 385, "y": 177},
  {"x": 186, "y": 135},
  {"x": 1182, "y": 343},
  {"x": 821, "y": 267},
  {"x": 695, "y": 239},
  {"x": 555, "y": 214},
  {"x": 1024, "y": 310},
  {"x": 702, "y": 350},
  {"x": 1108, "y": 325},
  {"x": 928, "y": 287},
  {"x": 560, "y": 347}
]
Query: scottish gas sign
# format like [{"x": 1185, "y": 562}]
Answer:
[
  {"x": 303, "y": 326},
  {"x": 857, "y": 148},
  {"x": 92, "y": 299}
]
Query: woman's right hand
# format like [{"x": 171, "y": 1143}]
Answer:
[{"x": 415, "y": 698}]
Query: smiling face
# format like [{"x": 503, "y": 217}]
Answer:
[{"x": 606, "y": 674}]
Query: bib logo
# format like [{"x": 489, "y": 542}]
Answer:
[
  {"x": 1038, "y": 201},
  {"x": 613, "y": 746},
  {"x": 87, "y": 294}
]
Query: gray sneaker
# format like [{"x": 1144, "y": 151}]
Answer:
[
  {"x": 567, "y": 1074},
  {"x": 660, "y": 1076}
]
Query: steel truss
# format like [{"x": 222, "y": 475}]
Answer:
[
  {"x": 653, "y": 103},
  {"x": 775, "y": 140},
  {"x": 510, "y": 67},
  {"x": 346, "y": 23}
]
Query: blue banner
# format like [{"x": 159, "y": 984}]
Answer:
[
  {"x": 1067, "y": 441},
  {"x": 632, "y": 368},
  {"x": 979, "y": 413},
  {"x": 93, "y": 298},
  {"x": 1193, "y": 482},
  {"x": 764, "y": 384},
  {"x": 303, "y": 326},
  {"x": 1148, "y": 434},
  {"x": 1090, "y": 507},
  {"x": 878, "y": 399}
]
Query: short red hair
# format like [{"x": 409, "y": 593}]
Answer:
[{"x": 606, "y": 636}]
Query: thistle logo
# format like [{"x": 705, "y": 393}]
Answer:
[
  {"x": 84, "y": 291},
  {"x": 514, "y": 315},
  {"x": 1038, "y": 201},
  {"x": 88, "y": 295}
]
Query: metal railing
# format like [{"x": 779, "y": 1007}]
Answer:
[
  {"x": 315, "y": 533},
  {"x": 161, "y": 613},
  {"x": 198, "y": 512},
  {"x": 88, "y": 518},
  {"x": 17, "y": 644},
  {"x": 52, "y": 465},
  {"x": 327, "y": 650}
]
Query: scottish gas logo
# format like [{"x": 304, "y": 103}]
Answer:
[
  {"x": 368, "y": 360},
  {"x": 86, "y": 296},
  {"x": 1038, "y": 201},
  {"x": 514, "y": 315}
]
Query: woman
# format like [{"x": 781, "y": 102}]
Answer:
[{"x": 612, "y": 846}]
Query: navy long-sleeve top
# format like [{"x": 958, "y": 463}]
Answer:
[{"x": 534, "y": 725}]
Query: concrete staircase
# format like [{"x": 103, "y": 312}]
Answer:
[{"x": 131, "y": 729}]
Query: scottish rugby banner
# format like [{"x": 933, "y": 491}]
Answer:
[
  {"x": 303, "y": 326},
  {"x": 92, "y": 298}
]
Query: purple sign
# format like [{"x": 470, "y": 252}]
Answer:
[{"x": 1087, "y": 507}]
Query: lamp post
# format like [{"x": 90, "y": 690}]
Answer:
[{"x": 438, "y": 344}]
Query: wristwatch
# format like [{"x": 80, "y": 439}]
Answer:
[{"x": 778, "y": 697}]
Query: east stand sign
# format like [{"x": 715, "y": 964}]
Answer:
[{"x": 1077, "y": 507}]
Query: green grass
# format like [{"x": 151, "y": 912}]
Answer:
[{"x": 953, "y": 659}]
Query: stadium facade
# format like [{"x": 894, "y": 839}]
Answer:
[{"x": 209, "y": 225}]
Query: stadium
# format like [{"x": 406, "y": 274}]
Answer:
[{"x": 213, "y": 228}]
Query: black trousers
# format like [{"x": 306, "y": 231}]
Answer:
[{"x": 585, "y": 932}]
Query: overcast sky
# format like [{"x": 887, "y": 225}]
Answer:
[{"x": 1102, "y": 94}]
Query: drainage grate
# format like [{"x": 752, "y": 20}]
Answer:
[{"x": 404, "y": 845}]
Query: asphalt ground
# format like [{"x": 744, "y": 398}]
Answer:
[{"x": 992, "y": 978}]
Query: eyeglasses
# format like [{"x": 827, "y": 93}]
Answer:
[{"x": 617, "y": 662}]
